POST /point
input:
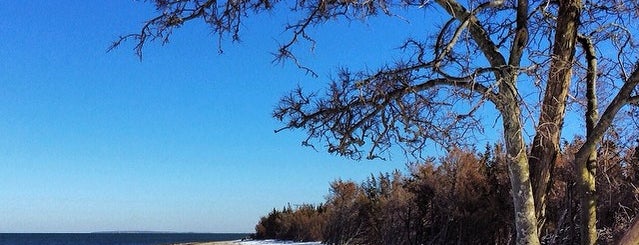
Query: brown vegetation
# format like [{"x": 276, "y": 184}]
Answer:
[{"x": 461, "y": 198}]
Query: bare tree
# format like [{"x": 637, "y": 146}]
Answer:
[
  {"x": 545, "y": 146},
  {"x": 487, "y": 52}
]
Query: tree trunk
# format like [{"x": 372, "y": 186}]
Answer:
[
  {"x": 508, "y": 104},
  {"x": 518, "y": 168},
  {"x": 588, "y": 199},
  {"x": 587, "y": 172},
  {"x": 545, "y": 148},
  {"x": 632, "y": 235},
  {"x": 585, "y": 169},
  {"x": 586, "y": 193}
]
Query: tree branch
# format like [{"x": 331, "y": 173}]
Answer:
[
  {"x": 380, "y": 108},
  {"x": 591, "y": 79},
  {"x": 521, "y": 34},
  {"x": 479, "y": 34},
  {"x": 605, "y": 121}
]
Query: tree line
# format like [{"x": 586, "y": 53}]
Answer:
[{"x": 460, "y": 198}]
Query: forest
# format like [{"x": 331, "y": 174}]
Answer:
[{"x": 461, "y": 198}]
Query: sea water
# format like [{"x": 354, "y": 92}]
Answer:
[{"x": 113, "y": 238}]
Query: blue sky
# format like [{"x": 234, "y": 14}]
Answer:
[{"x": 182, "y": 141}]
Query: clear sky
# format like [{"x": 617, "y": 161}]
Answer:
[{"x": 180, "y": 141}]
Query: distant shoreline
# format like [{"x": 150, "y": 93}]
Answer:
[{"x": 210, "y": 243}]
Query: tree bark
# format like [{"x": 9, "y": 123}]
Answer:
[
  {"x": 587, "y": 171},
  {"x": 518, "y": 164},
  {"x": 631, "y": 237},
  {"x": 508, "y": 103},
  {"x": 518, "y": 168},
  {"x": 545, "y": 147}
]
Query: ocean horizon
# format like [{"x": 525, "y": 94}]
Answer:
[{"x": 116, "y": 238}]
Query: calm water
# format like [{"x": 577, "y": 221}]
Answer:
[{"x": 112, "y": 238}]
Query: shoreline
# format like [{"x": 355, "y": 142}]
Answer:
[
  {"x": 211, "y": 243},
  {"x": 250, "y": 242}
]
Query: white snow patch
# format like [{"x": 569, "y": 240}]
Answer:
[{"x": 275, "y": 242}]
